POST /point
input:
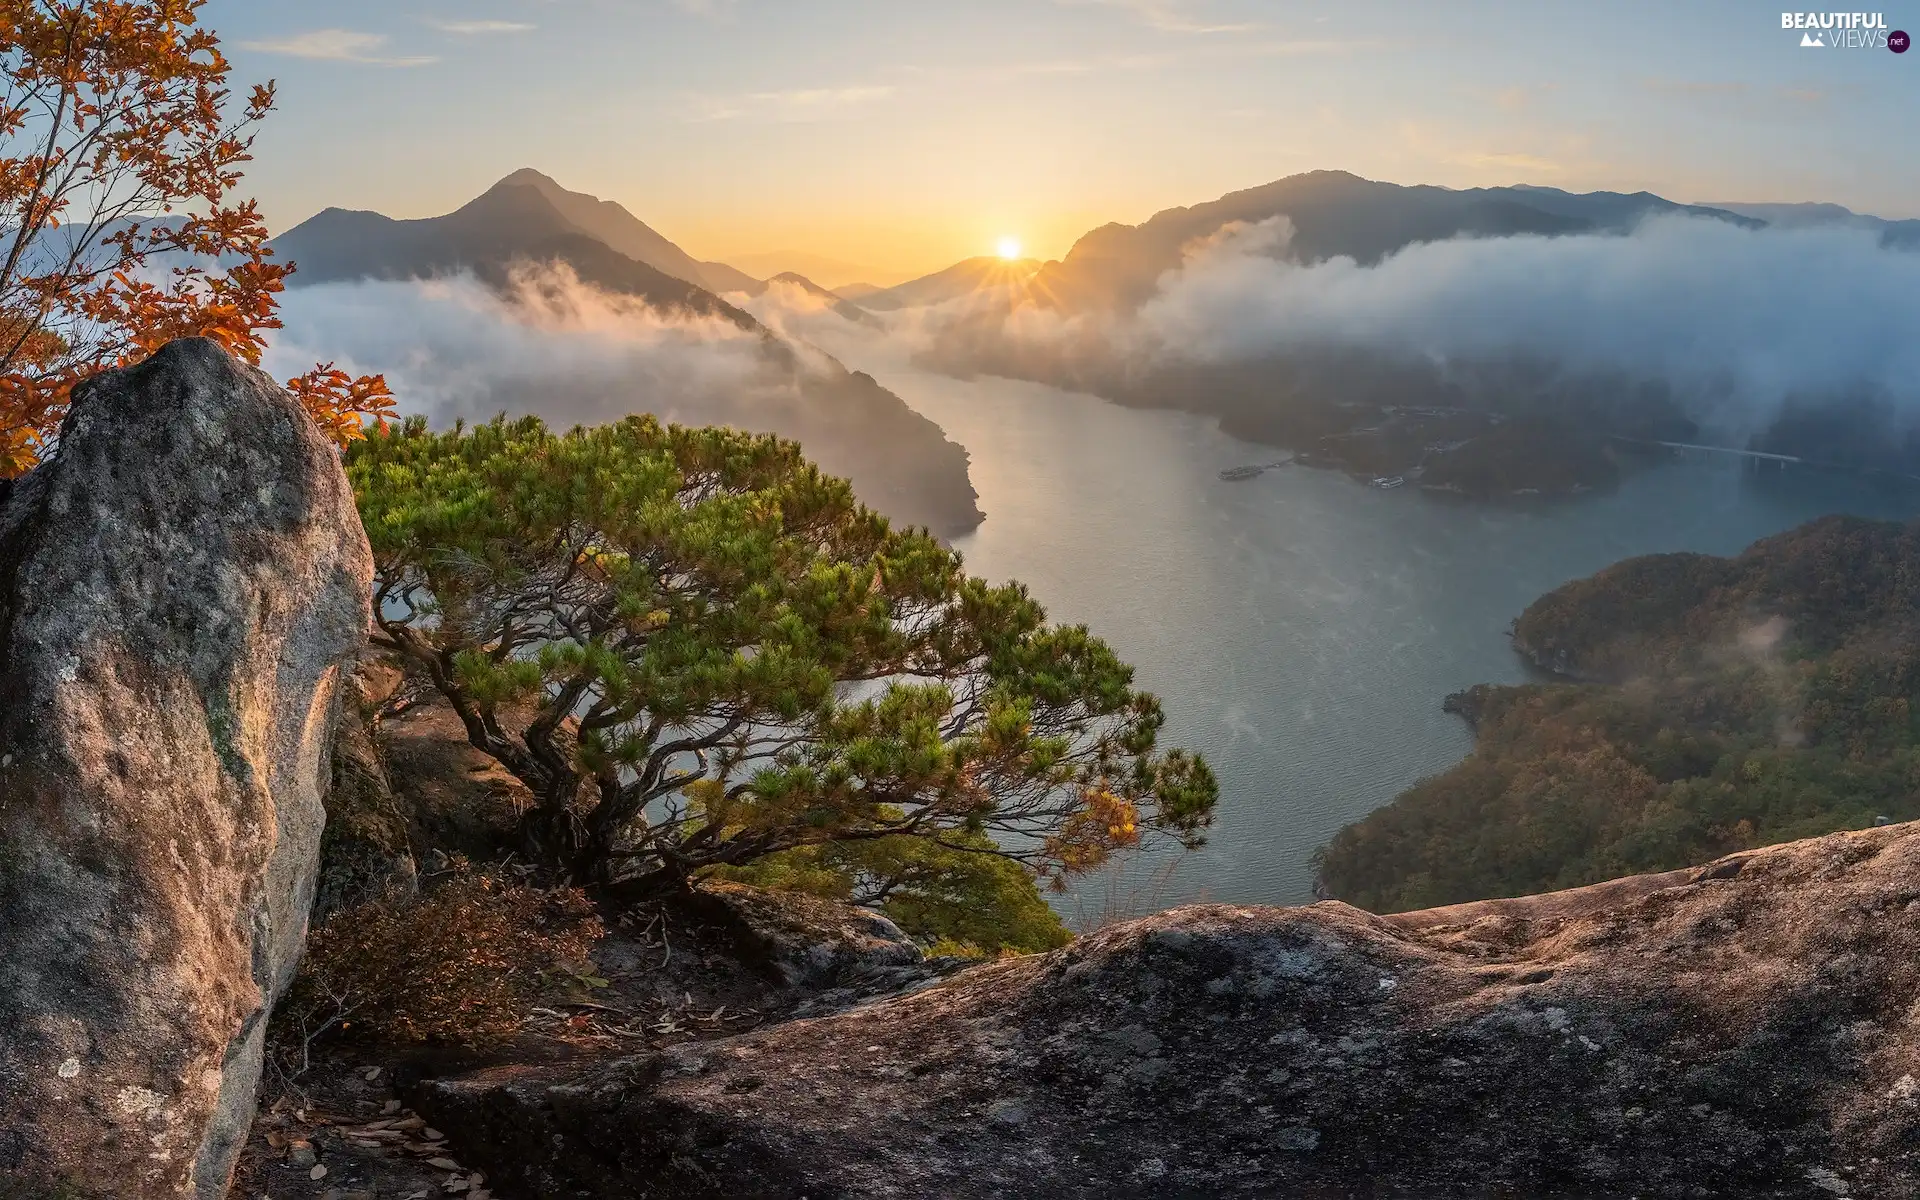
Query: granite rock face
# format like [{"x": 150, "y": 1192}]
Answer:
[
  {"x": 179, "y": 586},
  {"x": 1744, "y": 1029}
]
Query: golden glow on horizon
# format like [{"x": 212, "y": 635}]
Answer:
[{"x": 1009, "y": 248}]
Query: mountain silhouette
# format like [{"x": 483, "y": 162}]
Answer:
[
  {"x": 1903, "y": 234},
  {"x": 964, "y": 278},
  {"x": 838, "y": 303},
  {"x": 620, "y": 229},
  {"x": 900, "y": 462},
  {"x": 513, "y": 221},
  {"x": 1345, "y": 405},
  {"x": 1333, "y": 214}
]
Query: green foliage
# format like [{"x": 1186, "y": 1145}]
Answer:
[
  {"x": 1758, "y": 699},
  {"x": 957, "y": 894},
  {"x": 699, "y": 651}
]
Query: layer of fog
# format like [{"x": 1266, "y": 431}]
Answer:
[
  {"x": 457, "y": 349},
  {"x": 1737, "y": 320}
]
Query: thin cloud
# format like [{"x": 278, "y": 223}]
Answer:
[
  {"x": 1168, "y": 16},
  {"x": 1789, "y": 100},
  {"x": 481, "y": 28},
  {"x": 1292, "y": 47},
  {"x": 338, "y": 45},
  {"x": 824, "y": 97},
  {"x": 1696, "y": 87},
  {"x": 1525, "y": 153},
  {"x": 796, "y": 104},
  {"x": 1514, "y": 161},
  {"x": 1522, "y": 97}
]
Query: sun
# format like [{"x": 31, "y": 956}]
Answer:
[{"x": 1009, "y": 248}]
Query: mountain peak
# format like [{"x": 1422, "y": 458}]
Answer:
[
  {"x": 528, "y": 177},
  {"x": 608, "y": 222}
]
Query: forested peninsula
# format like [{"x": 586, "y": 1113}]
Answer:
[{"x": 1704, "y": 705}]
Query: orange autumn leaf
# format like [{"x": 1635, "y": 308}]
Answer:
[{"x": 120, "y": 149}]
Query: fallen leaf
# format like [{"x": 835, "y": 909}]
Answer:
[
  {"x": 432, "y": 1134},
  {"x": 390, "y": 1108},
  {"x": 370, "y": 1074},
  {"x": 445, "y": 1164},
  {"x": 319, "y": 1171}
]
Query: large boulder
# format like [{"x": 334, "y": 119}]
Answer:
[
  {"x": 179, "y": 587},
  {"x": 1748, "y": 1029}
]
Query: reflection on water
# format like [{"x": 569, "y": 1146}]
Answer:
[{"x": 1302, "y": 629}]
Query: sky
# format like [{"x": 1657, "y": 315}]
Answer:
[{"x": 887, "y": 139}]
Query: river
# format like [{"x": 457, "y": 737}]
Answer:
[{"x": 1302, "y": 629}]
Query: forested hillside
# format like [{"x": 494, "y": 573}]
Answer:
[{"x": 1720, "y": 704}]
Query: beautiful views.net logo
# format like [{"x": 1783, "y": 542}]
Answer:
[{"x": 1845, "y": 31}]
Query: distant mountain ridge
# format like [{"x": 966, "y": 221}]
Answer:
[
  {"x": 506, "y": 214},
  {"x": 1903, "y": 233},
  {"x": 833, "y": 300},
  {"x": 626, "y": 233},
  {"x": 1492, "y": 425},
  {"x": 900, "y": 462},
  {"x": 966, "y": 277},
  {"x": 511, "y": 222},
  {"x": 1334, "y": 213}
]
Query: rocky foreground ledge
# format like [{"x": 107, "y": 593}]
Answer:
[{"x": 1746, "y": 1029}]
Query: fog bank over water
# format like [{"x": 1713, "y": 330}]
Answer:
[{"x": 1738, "y": 322}]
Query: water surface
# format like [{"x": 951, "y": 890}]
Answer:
[{"x": 1301, "y": 628}]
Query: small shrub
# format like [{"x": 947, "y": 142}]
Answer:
[{"x": 459, "y": 965}]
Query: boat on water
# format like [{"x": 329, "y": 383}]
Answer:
[
  {"x": 1241, "y": 472},
  {"x": 1389, "y": 481}
]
